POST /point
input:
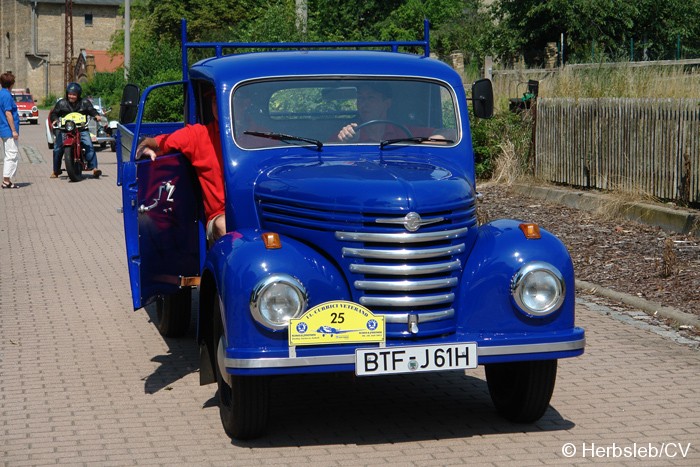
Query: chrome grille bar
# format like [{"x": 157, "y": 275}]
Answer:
[
  {"x": 403, "y": 253},
  {"x": 405, "y": 269},
  {"x": 407, "y": 300},
  {"x": 403, "y": 237},
  {"x": 406, "y": 285}
]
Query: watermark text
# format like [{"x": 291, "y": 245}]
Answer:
[{"x": 635, "y": 450}]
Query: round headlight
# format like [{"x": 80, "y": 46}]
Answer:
[
  {"x": 70, "y": 125},
  {"x": 277, "y": 299},
  {"x": 538, "y": 288}
]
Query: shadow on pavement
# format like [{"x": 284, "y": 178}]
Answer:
[
  {"x": 181, "y": 360},
  {"x": 326, "y": 409}
]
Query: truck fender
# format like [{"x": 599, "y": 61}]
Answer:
[
  {"x": 501, "y": 250},
  {"x": 238, "y": 262}
]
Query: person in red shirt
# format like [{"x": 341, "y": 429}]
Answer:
[{"x": 201, "y": 144}]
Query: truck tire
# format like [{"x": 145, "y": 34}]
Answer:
[
  {"x": 173, "y": 312},
  {"x": 521, "y": 391},
  {"x": 243, "y": 400},
  {"x": 73, "y": 169}
]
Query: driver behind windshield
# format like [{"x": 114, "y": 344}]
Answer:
[
  {"x": 373, "y": 103},
  {"x": 374, "y": 100}
]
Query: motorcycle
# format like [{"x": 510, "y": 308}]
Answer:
[{"x": 73, "y": 151}]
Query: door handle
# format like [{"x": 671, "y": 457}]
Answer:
[{"x": 143, "y": 208}]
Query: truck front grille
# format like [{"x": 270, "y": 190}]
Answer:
[
  {"x": 409, "y": 277},
  {"x": 407, "y": 274}
]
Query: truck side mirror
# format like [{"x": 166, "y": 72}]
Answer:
[
  {"x": 129, "y": 104},
  {"x": 482, "y": 98}
]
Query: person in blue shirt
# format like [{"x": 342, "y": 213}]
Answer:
[
  {"x": 9, "y": 129},
  {"x": 74, "y": 102}
]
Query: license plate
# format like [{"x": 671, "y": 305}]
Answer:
[{"x": 395, "y": 360}]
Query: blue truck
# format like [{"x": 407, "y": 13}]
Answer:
[{"x": 362, "y": 255}]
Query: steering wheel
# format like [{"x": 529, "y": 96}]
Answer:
[{"x": 384, "y": 122}]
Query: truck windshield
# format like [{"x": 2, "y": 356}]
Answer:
[{"x": 345, "y": 111}]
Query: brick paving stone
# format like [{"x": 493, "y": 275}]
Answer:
[{"x": 84, "y": 380}]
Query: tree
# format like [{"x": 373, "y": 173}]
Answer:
[
  {"x": 272, "y": 22},
  {"x": 659, "y": 25},
  {"x": 524, "y": 27},
  {"x": 349, "y": 20},
  {"x": 463, "y": 26},
  {"x": 109, "y": 87}
]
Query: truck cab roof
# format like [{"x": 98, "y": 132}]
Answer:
[{"x": 239, "y": 67}]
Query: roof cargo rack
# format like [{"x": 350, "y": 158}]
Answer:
[{"x": 220, "y": 46}]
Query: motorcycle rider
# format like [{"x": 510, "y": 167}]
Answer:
[{"x": 73, "y": 102}]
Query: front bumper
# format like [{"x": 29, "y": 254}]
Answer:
[
  {"x": 27, "y": 116},
  {"x": 329, "y": 358},
  {"x": 103, "y": 140}
]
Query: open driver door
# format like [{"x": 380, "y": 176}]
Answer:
[{"x": 163, "y": 219}]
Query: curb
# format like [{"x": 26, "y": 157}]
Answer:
[
  {"x": 672, "y": 219},
  {"x": 649, "y": 307}
]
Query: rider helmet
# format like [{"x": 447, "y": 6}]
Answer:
[{"x": 74, "y": 88}]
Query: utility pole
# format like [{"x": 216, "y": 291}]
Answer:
[
  {"x": 68, "y": 49},
  {"x": 127, "y": 38},
  {"x": 302, "y": 16}
]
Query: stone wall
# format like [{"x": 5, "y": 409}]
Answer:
[
  {"x": 13, "y": 40},
  {"x": 37, "y": 60}
]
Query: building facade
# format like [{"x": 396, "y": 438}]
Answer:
[{"x": 33, "y": 39}]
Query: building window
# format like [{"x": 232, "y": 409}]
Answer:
[
  {"x": 88, "y": 19},
  {"x": 9, "y": 54}
]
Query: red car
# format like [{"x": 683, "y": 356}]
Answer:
[{"x": 28, "y": 111}]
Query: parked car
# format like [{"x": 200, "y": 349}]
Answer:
[{"x": 28, "y": 111}]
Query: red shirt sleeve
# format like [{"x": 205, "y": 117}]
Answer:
[{"x": 195, "y": 143}]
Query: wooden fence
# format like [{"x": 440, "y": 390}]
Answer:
[{"x": 649, "y": 146}]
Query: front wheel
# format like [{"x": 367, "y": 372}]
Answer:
[
  {"x": 74, "y": 168},
  {"x": 173, "y": 312},
  {"x": 243, "y": 400},
  {"x": 521, "y": 391}
]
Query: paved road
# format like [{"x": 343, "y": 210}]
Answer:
[{"x": 84, "y": 380}]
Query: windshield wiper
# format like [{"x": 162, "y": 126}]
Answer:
[
  {"x": 284, "y": 138},
  {"x": 415, "y": 139}
]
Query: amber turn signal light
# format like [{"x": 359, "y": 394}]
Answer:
[
  {"x": 531, "y": 231},
  {"x": 272, "y": 240}
]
